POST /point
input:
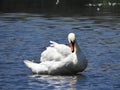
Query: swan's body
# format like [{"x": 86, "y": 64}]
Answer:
[{"x": 59, "y": 59}]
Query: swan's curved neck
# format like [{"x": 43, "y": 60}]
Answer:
[
  {"x": 76, "y": 48},
  {"x": 76, "y": 52}
]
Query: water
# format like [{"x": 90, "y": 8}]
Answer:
[{"x": 25, "y": 36}]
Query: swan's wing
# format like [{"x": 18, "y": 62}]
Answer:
[
  {"x": 60, "y": 67},
  {"x": 50, "y": 54},
  {"x": 61, "y": 48},
  {"x": 55, "y": 52}
]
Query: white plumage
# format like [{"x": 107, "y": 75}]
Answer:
[{"x": 59, "y": 59}]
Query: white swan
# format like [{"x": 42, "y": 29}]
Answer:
[{"x": 59, "y": 59}]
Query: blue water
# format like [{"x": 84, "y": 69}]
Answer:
[{"x": 25, "y": 36}]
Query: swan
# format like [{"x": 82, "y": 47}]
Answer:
[{"x": 60, "y": 59}]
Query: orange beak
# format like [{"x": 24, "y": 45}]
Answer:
[{"x": 72, "y": 46}]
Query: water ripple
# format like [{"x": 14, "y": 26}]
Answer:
[{"x": 25, "y": 36}]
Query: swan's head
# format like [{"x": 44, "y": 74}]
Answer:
[{"x": 71, "y": 39}]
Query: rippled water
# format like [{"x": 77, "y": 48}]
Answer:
[{"x": 25, "y": 36}]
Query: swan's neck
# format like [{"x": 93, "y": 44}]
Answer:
[
  {"x": 79, "y": 58},
  {"x": 76, "y": 52},
  {"x": 76, "y": 48}
]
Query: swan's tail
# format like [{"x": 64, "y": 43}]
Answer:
[
  {"x": 28, "y": 63},
  {"x": 36, "y": 68}
]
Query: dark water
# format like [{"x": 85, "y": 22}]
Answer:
[{"x": 25, "y": 36}]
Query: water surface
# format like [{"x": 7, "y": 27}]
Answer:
[{"x": 25, "y": 36}]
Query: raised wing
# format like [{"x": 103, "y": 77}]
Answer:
[{"x": 55, "y": 52}]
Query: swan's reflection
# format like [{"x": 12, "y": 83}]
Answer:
[{"x": 56, "y": 82}]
